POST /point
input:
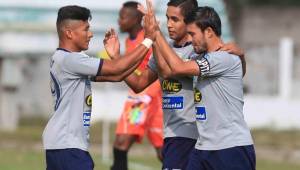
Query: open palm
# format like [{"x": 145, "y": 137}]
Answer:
[{"x": 112, "y": 44}]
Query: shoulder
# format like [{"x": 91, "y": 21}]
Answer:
[
  {"x": 74, "y": 57},
  {"x": 222, "y": 56}
]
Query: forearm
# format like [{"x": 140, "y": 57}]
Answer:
[
  {"x": 116, "y": 78},
  {"x": 177, "y": 66},
  {"x": 133, "y": 82},
  {"x": 107, "y": 79},
  {"x": 170, "y": 57},
  {"x": 124, "y": 63},
  {"x": 163, "y": 68},
  {"x": 138, "y": 83}
]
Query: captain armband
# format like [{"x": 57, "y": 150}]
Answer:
[{"x": 204, "y": 66}]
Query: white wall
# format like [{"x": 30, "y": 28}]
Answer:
[{"x": 259, "y": 111}]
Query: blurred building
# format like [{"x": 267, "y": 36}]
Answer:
[{"x": 259, "y": 26}]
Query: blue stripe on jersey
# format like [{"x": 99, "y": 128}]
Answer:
[{"x": 55, "y": 90}]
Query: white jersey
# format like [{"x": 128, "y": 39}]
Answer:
[
  {"x": 71, "y": 91},
  {"x": 219, "y": 103},
  {"x": 177, "y": 101}
]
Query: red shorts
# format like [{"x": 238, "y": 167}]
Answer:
[{"x": 141, "y": 117}]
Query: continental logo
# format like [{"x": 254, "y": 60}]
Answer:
[
  {"x": 197, "y": 96},
  {"x": 88, "y": 100},
  {"x": 171, "y": 86}
]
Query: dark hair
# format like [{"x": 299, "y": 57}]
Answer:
[
  {"x": 131, "y": 4},
  {"x": 187, "y": 6},
  {"x": 73, "y": 12},
  {"x": 134, "y": 5},
  {"x": 205, "y": 17}
]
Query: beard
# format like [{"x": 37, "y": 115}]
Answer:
[{"x": 201, "y": 48}]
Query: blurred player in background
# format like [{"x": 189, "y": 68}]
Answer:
[{"x": 142, "y": 113}]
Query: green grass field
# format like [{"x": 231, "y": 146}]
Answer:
[
  {"x": 22, "y": 150},
  {"x": 13, "y": 159}
]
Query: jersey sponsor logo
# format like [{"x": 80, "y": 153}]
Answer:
[
  {"x": 173, "y": 102},
  {"x": 55, "y": 91},
  {"x": 203, "y": 66},
  {"x": 86, "y": 119},
  {"x": 88, "y": 100},
  {"x": 200, "y": 113},
  {"x": 171, "y": 86},
  {"x": 197, "y": 96}
]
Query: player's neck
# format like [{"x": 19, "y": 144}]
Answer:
[
  {"x": 183, "y": 41},
  {"x": 134, "y": 32},
  {"x": 214, "y": 44},
  {"x": 68, "y": 46}
]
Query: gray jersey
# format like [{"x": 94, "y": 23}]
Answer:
[
  {"x": 69, "y": 125},
  {"x": 219, "y": 103},
  {"x": 178, "y": 106}
]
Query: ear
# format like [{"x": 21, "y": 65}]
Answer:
[
  {"x": 208, "y": 32},
  {"x": 69, "y": 33}
]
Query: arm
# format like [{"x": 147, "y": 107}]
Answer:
[
  {"x": 139, "y": 82},
  {"x": 116, "y": 78},
  {"x": 163, "y": 68},
  {"x": 177, "y": 66},
  {"x": 234, "y": 49},
  {"x": 136, "y": 82},
  {"x": 121, "y": 64}
]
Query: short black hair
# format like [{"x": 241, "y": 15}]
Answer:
[
  {"x": 205, "y": 17},
  {"x": 134, "y": 5},
  {"x": 131, "y": 4},
  {"x": 73, "y": 12},
  {"x": 187, "y": 6}
]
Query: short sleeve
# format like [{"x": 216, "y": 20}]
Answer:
[
  {"x": 152, "y": 64},
  {"x": 217, "y": 63},
  {"x": 82, "y": 65}
]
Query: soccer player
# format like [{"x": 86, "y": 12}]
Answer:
[
  {"x": 142, "y": 112},
  {"x": 66, "y": 136},
  {"x": 224, "y": 142},
  {"x": 180, "y": 131}
]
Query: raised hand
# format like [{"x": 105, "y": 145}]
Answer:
[
  {"x": 232, "y": 48},
  {"x": 150, "y": 24},
  {"x": 142, "y": 9},
  {"x": 112, "y": 44}
]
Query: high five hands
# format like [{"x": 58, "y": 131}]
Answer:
[
  {"x": 151, "y": 25},
  {"x": 112, "y": 44}
]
